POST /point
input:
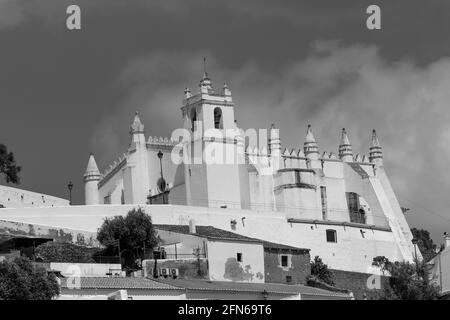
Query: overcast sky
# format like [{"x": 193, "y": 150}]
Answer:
[{"x": 64, "y": 94}]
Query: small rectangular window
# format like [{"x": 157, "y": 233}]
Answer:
[
  {"x": 239, "y": 257},
  {"x": 288, "y": 279},
  {"x": 284, "y": 261},
  {"x": 331, "y": 235}
]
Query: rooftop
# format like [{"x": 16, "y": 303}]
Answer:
[
  {"x": 11, "y": 241},
  {"x": 213, "y": 233},
  {"x": 272, "y": 245},
  {"x": 208, "y": 232},
  {"x": 274, "y": 288},
  {"x": 119, "y": 283}
]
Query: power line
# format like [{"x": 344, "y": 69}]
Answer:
[{"x": 426, "y": 210}]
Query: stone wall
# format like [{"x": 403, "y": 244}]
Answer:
[
  {"x": 356, "y": 282},
  {"x": 298, "y": 269}
]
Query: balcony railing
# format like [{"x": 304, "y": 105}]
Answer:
[{"x": 357, "y": 217}]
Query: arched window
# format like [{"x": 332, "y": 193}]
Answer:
[
  {"x": 193, "y": 119},
  {"x": 218, "y": 124}
]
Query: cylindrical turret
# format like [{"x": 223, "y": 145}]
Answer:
[{"x": 91, "y": 179}]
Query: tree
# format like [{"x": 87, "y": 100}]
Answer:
[
  {"x": 21, "y": 280},
  {"x": 130, "y": 235},
  {"x": 8, "y": 166},
  {"x": 424, "y": 243},
  {"x": 407, "y": 281},
  {"x": 65, "y": 252},
  {"x": 321, "y": 271}
]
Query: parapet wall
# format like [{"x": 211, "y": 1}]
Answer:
[{"x": 19, "y": 198}]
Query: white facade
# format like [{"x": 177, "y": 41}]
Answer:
[
  {"x": 297, "y": 185},
  {"x": 288, "y": 197},
  {"x": 221, "y": 255}
]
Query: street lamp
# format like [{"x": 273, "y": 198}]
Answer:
[
  {"x": 160, "y": 155},
  {"x": 162, "y": 182},
  {"x": 70, "y": 187}
]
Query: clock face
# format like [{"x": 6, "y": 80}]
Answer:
[{"x": 161, "y": 185}]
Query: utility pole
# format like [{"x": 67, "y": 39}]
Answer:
[{"x": 120, "y": 255}]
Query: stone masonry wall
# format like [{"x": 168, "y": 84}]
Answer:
[
  {"x": 356, "y": 282},
  {"x": 298, "y": 270}
]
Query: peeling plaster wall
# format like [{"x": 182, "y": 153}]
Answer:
[
  {"x": 65, "y": 235},
  {"x": 223, "y": 265}
]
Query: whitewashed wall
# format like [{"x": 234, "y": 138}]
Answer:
[
  {"x": 351, "y": 252},
  {"x": 18, "y": 198}
]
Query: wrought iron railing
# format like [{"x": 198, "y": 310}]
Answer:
[{"x": 357, "y": 217}]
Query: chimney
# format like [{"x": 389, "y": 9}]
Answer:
[
  {"x": 192, "y": 228},
  {"x": 447, "y": 240}
]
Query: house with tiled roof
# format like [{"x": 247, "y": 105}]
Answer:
[
  {"x": 206, "y": 252},
  {"x": 119, "y": 288},
  {"x": 203, "y": 289},
  {"x": 209, "y": 253},
  {"x": 99, "y": 288}
]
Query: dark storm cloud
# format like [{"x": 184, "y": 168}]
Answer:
[{"x": 63, "y": 95}]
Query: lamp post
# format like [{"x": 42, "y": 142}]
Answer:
[
  {"x": 70, "y": 187},
  {"x": 160, "y": 155},
  {"x": 162, "y": 182}
]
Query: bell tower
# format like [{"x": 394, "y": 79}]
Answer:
[{"x": 212, "y": 171}]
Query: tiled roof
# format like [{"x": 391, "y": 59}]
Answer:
[
  {"x": 16, "y": 241},
  {"x": 229, "y": 286},
  {"x": 272, "y": 245},
  {"x": 119, "y": 283},
  {"x": 213, "y": 233},
  {"x": 208, "y": 232}
]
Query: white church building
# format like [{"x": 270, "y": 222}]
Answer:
[{"x": 341, "y": 206}]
